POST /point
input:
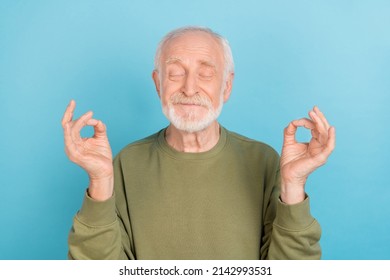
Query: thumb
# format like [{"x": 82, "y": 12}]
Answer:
[
  {"x": 289, "y": 133},
  {"x": 99, "y": 128}
]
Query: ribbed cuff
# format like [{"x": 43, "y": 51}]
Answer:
[
  {"x": 97, "y": 213},
  {"x": 294, "y": 217}
]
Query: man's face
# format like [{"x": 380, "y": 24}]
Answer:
[{"x": 191, "y": 82}]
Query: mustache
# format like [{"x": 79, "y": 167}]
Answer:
[{"x": 196, "y": 99}]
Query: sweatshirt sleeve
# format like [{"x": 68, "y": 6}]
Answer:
[
  {"x": 295, "y": 233},
  {"x": 96, "y": 233},
  {"x": 101, "y": 229},
  {"x": 290, "y": 231}
]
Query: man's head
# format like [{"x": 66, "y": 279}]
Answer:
[{"x": 193, "y": 75}]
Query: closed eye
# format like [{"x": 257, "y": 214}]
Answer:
[
  {"x": 175, "y": 76},
  {"x": 206, "y": 75}
]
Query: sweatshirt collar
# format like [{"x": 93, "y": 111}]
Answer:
[{"x": 164, "y": 146}]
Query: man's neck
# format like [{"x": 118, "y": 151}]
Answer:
[{"x": 195, "y": 142}]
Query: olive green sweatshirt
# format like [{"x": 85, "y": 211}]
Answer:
[{"x": 219, "y": 204}]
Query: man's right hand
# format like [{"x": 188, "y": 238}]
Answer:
[{"x": 92, "y": 154}]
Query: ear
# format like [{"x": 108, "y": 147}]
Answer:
[
  {"x": 228, "y": 87},
  {"x": 156, "y": 79}
]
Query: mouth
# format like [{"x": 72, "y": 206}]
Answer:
[{"x": 190, "y": 104}]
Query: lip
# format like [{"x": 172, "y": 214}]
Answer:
[{"x": 189, "y": 105}]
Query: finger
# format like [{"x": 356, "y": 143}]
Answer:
[
  {"x": 92, "y": 122},
  {"x": 314, "y": 134},
  {"x": 304, "y": 122},
  {"x": 320, "y": 127},
  {"x": 322, "y": 157},
  {"x": 291, "y": 129},
  {"x": 67, "y": 136},
  {"x": 66, "y": 120},
  {"x": 317, "y": 120},
  {"x": 68, "y": 115},
  {"x": 331, "y": 144},
  {"x": 79, "y": 124},
  {"x": 321, "y": 116}
]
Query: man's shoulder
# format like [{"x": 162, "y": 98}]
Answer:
[
  {"x": 140, "y": 145},
  {"x": 239, "y": 140}
]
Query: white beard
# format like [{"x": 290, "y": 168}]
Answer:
[{"x": 191, "y": 122}]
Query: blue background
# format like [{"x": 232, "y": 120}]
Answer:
[{"x": 289, "y": 55}]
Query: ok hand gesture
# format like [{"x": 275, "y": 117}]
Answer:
[
  {"x": 298, "y": 160},
  {"x": 92, "y": 154}
]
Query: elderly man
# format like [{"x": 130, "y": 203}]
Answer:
[{"x": 195, "y": 190}]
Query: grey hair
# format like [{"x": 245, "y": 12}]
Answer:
[{"x": 227, "y": 52}]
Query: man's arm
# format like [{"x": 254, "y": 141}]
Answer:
[
  {"x": 295, "y": 233},
  {"x": 96, "y": 232},
  {"x": 290, "y": 231},
  {"x": 101, "y": 229},
  {"x": 97, "y": 229}
]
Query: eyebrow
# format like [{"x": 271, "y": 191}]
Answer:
[
  {"x": 172, "y": 60},
  {"x": 208, "y": 63}
]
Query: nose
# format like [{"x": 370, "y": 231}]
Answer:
[{"x": 190, "y": 85}]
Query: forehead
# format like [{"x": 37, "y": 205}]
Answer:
[{"x": 194, "y": 46}]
